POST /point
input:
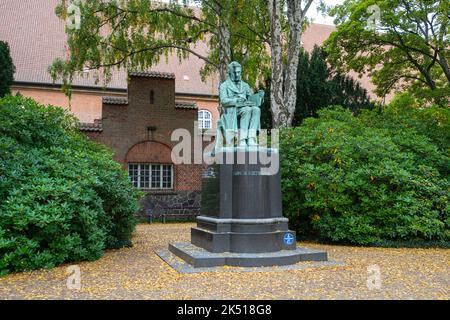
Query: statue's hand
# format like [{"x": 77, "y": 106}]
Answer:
[{"x": 240, "y": 100}]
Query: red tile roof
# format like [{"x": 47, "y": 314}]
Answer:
[
  {"x": 185, "y": 105},
  {"x": 115, "y": 100},
  {"x": 153, "y": 74},
  {"x": 97, "y": 126},
  {"x": 36, "y": 37}
]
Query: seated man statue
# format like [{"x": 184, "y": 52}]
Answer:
[{"x": 240, "y": 109}]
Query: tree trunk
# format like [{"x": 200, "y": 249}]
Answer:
[
  {"x": 295, "y": 17},
  {"x": 428, "y": 78},
  {"x": 442, "y": 50},
  {"x": 444, "y": 63},
  {"x": 276, "y": 92},
  {"x": 224, "y": 44},
  {"x": 225, "y": 51},
  {"x": 284, "y": 76}
]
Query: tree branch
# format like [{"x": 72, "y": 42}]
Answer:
[{"x": 154, "y": 48}]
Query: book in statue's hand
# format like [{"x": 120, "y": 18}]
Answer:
[{"x": 255, "y": 99}]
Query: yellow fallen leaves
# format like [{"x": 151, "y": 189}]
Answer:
[{"x": 138, "y": 273}]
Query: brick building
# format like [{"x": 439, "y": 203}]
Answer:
[{"x": 138, "y": 128}]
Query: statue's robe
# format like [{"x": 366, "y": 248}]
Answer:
[{"x": 228, "y": 92}]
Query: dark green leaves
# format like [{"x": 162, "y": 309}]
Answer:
[
  {"x": 63, "y": 198},
  {"x": 375, "y": 179},
  {"x": 7, "y": 69}
]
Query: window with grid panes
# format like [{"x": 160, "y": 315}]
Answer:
[
  {"x": 204, "y": 119},
  {"x": 151, "y": 176}
]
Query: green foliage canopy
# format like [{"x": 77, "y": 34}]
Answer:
[{"x": 400, "y": 43}]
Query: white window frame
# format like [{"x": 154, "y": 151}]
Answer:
[
  {"x": 140, "y": 170},
  {"x": 203, "y": 117}
]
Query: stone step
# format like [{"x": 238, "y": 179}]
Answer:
[{"x": 201, "y": 258}]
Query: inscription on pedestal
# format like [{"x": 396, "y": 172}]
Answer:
[{"x": 247, "y": 173}]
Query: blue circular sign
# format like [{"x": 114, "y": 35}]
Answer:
[{"x": 288, "y": 238}]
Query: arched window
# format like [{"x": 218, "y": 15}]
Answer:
[{"x": 204, "y": 119}]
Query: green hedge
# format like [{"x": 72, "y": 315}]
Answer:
[
  {"x": 62, "y": 197},
  {"x": 376, "y": 179}
]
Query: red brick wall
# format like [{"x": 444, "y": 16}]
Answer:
[
  {"x": 188, "y": 177},
  {"x": 125, "y": 129},
  {"x": 149, "y": 151},
  {"x": 93, "y": 135}
]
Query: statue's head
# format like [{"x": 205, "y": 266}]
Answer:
[{"x": 235, "y": 71}]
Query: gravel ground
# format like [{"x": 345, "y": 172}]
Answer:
[{"x": 138, "y": 273}]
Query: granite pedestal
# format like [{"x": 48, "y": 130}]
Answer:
[{"x": 241, "y": 222}]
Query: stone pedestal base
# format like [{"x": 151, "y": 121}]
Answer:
[
  {"x": 243, "y": 235},
  {"x": 241, "y": 222},
  {"x": 243, "y": 243},
  {"x": 201, "y": 258}
]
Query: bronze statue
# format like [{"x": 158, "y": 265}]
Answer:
[{"x": 241, "y": 111}]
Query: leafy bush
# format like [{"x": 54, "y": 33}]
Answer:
[
  {"x": 404, "y": 113},
  {"x": 62, "y": 197},
  {"x": 368, "y": 180}
]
